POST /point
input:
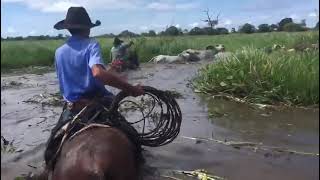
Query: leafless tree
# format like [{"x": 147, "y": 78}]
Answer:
[{"x": 210, "y": 21}]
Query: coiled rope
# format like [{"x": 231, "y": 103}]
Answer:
[{"x": 166, "y": 128}]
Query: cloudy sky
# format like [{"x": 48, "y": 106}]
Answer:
[{"x": 37, "y": 17}]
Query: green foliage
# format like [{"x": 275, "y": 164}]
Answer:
[
  {"x": 264, "y": 78},
  {"x": 209, "y": 31},
  {"x": 293, "y": 27},
  {"x": 196, "y": 31},
  {"x": 283, "y": 22},
  {"x": 152, "y": 33},
  {"x": 264, "y": 28},
  {"x": 172, "y": 31},
  {"x": 303, "y": 23},
  {"x": 222, "y": 30},
  {"x": 127, "y": 33},
  {"x": 274, "y": 27},
  {"x": 247, "y": 28},
  {"x": 19, "y": 54}
]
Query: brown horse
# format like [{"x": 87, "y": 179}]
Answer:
[{"x": 97, "y": 153}]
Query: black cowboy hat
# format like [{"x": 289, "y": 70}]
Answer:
[
  {"x": 117, "y": 41},
  {"x": 77, "y": 18}
]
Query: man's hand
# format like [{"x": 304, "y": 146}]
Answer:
[{"x": 136, "y": 91}]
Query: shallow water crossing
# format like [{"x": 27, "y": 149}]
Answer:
[{"x": 205, "y": 119}]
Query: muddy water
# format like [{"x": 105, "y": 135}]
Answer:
[{"x": 29, "y": 126}]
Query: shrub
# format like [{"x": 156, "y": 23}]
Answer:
[
  {"x": 293, "y": 27},
  {"x": 222, "y": 31},
  {"x": 247, "y": 28},
  {"x": 283, "y": 22},
  {"x": 172, "y": 31},
  {"x": 264, "y": 28}
]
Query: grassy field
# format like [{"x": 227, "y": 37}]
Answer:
[
  {"x": 18, "y": 54},
  {"x": 252, "y": 74}
]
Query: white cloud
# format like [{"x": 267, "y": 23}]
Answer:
[
  {"x": 162, "y": 6},
  {"x": 158, "y": 25},
  {"x": 187, "y": 6},
  {"x": 33, "y": 32},
  {"x": 63, "y": 5},
  {"x": 10, "y": 1},
  {"x": 313, "y": 14},
  {"x": 177, "y": 25},
  {"x": 11, "y": 30},
  {"x": 294, "y": 16},
  {"x": 50, "y": 32},
  {"x": 227, "y": 22},
  {"x": 60, "y": 6},
  {"x": 195, "y": 24},
  {"x": 143, "y": 28}
]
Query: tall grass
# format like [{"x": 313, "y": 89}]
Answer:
[
  {"x": 17, "y": 54},
  {"x": 264, "y": 78}
]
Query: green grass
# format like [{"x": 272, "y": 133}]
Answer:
[
  {"x": 19, "y": 54},
  {"x": 290, "y": 78}
]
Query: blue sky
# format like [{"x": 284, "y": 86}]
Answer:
[{"x": 37, "y": 17}]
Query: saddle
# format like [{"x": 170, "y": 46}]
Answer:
[{"x": 92, "y": 115}]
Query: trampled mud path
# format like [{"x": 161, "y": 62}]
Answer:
[{"x": 29, "y": 126}]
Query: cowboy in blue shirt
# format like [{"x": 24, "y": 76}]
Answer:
[{"x": 80, "y": 69}]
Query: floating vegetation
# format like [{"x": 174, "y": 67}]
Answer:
[
  {"x": 175, "y": 94},
  {"x": 11, "y": 84},
  {"x": 7, "y": 146},
  {"x": 199, "y": 174},
  {"x": 254, "y": 146},
  {"x": 51, "y": 99}
]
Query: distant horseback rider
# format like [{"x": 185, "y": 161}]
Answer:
[
  {"x": 81, "y": 72},
  {"x": 121, "y": 56}
]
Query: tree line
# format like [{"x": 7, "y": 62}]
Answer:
[
  {"x": 286, "y": 24},
  {"x": 41, "y": 37}
]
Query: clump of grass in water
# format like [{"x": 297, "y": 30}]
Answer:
[{"x": 280, "y": 77}]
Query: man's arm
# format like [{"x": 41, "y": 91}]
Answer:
[
  {"x": 108, "y": 78},
  {"x": 113, "y": 80}
]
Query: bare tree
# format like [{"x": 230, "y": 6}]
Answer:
[{"x": 210, "y": 21}]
